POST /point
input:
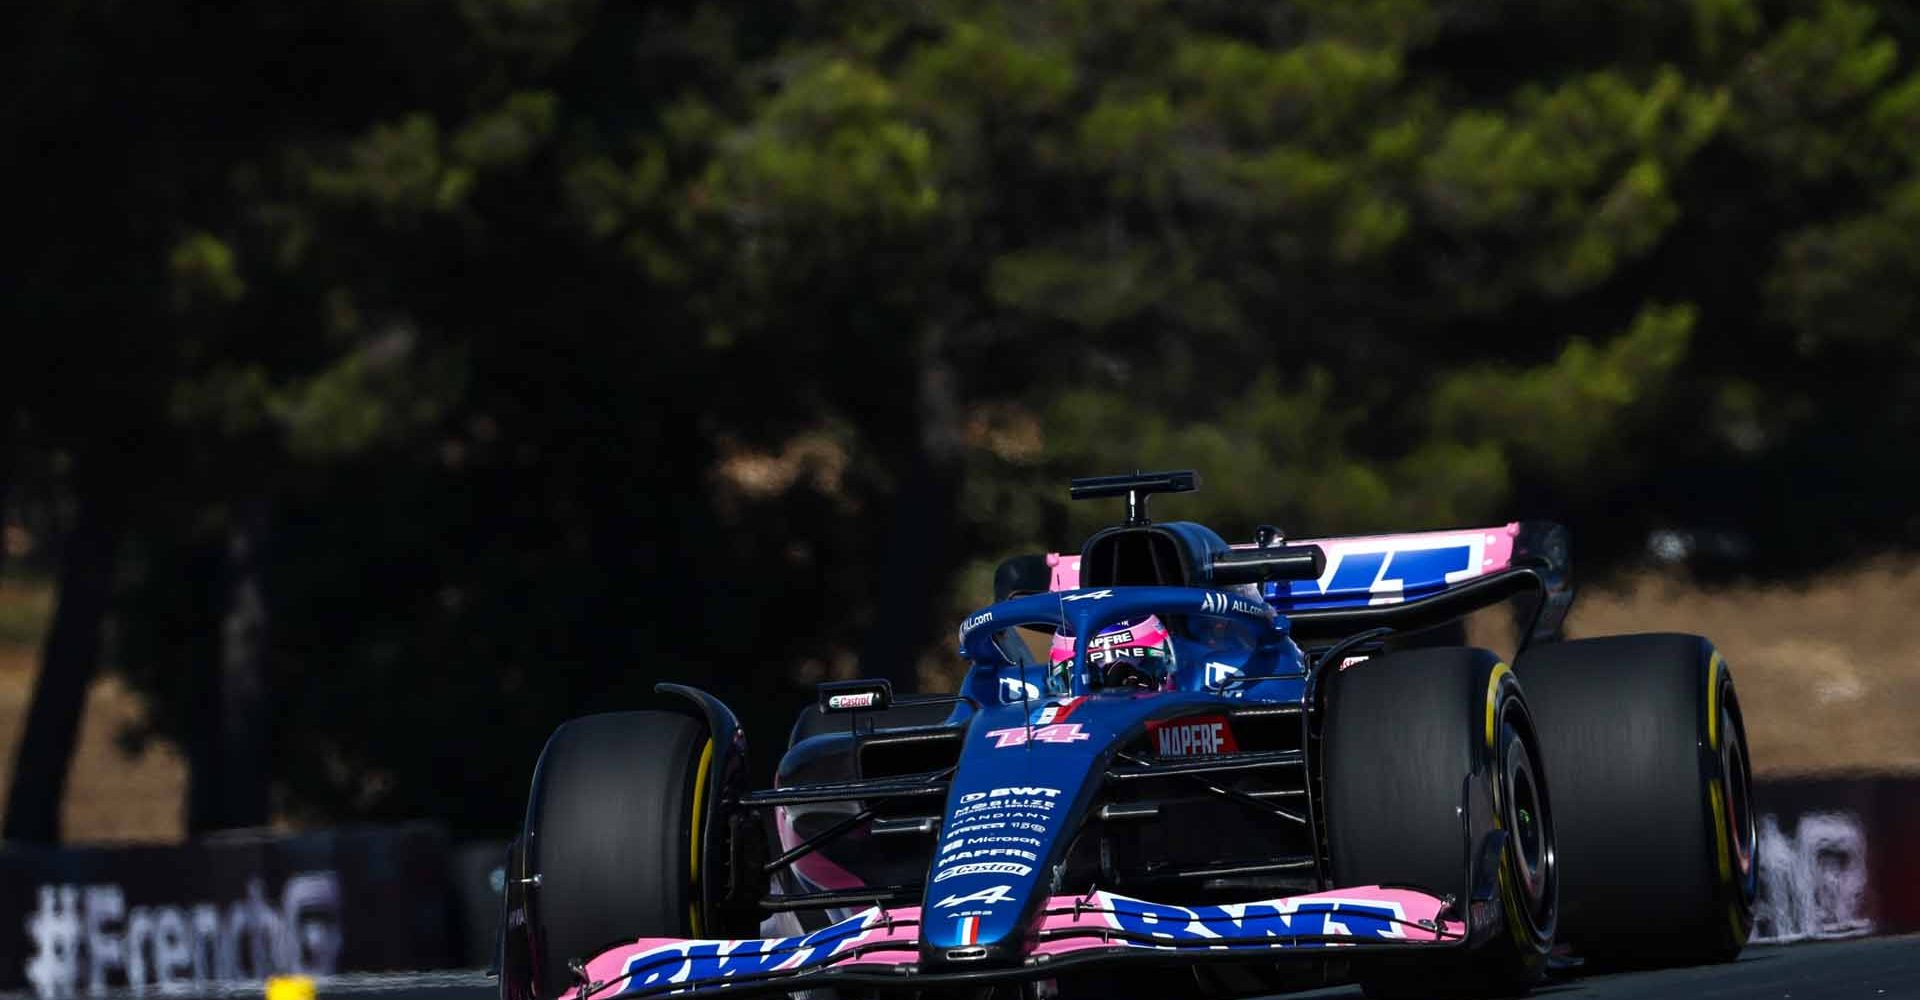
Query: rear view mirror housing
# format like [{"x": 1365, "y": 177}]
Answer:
[{"x": 1284, "y": 562}]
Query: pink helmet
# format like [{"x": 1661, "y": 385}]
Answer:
[{"x": 1137, "y": 653}]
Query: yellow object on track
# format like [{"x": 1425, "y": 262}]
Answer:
[{"x": 290, "y": 988}]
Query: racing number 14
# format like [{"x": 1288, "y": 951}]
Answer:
[{"x": 1059, "y": 732}]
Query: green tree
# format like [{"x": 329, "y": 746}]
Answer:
[{"x": 546, "y": 351}]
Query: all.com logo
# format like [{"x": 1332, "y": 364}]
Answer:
[{"x": 86, "y": 938}]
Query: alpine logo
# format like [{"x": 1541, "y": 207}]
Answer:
[
  {"x": 1059, "y": 732},
  {"x": 989, "y": 896},
  {"x": 1091, "y": 595},
  {"x": 1193, "y": 736}
]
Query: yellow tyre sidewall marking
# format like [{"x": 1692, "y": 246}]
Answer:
[
  {"x": 695, "y": 827},
  {"x": 1716, "y": 792},
  {"x": 1500, "y": 672},
  {"x": 1714, "y": 667},
  {"x": 1720, "y": 831},
  {"x": 1509, "y": 892}
]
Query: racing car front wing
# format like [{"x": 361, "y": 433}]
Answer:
[{"x": 881, "y": 946}]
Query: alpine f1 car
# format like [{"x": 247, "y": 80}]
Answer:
[{"x": 1175, "y": 766}]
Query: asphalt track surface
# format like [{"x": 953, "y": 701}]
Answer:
[{"x": 1885, "y": 968}]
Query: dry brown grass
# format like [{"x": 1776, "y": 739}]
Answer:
[
  {"x": 1828, "y": 671},
  {"x": 111, "y": 797}
]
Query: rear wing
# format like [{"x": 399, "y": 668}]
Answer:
[{"x": 1406, "y": 582}]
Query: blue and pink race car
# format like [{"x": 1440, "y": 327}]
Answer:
[{"x": 1176, "y": 766}]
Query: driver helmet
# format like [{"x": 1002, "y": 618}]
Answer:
[{"x": 1135, "y": 653}]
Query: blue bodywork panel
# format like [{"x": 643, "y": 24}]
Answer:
[{"x": 1036, "y": 747}]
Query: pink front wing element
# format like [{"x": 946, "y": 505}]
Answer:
[
  {"x": 1082, "y": 925},
  {"x": 873, "y": 937},
  {"x": 880, "y": 940}
]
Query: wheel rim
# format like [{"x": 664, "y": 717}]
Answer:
[
  {"x": 1737, "y": 780},
  {"x": 1524, "y": 824},
  {"x": 1525, "y": 814}
]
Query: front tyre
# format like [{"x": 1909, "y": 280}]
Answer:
[
  {"x": 1404, "y": 733},
  {"x": 611, "y": 835},
  {"x": 1653, "y": 791}
]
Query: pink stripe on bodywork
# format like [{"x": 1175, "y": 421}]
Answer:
[
  {"x": 1066, "y": 571},
  {"x": 813, "y": 866},
  {"x": 888, "y": 940},
  {"x": 1495, "y": 545}
]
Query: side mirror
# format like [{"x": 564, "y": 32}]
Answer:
[{"x": 1019, "y": 576}]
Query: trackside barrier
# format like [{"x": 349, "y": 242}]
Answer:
[
  {"x": 1838, "y": 858},
  {"x": 236, "y": 908}
]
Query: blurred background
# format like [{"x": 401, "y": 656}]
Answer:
[{"x": 385, "y": 382}]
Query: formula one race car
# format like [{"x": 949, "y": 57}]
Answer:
[{"x": 1176, "y": 766}]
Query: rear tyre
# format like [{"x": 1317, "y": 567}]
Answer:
[
  {"x": 1652, "y": 791},
  {"x": 611, "y": 834},
  {"x": 1403, "y": 733}
]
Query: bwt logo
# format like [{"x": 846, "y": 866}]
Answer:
[
  {"x": 1305, "y": 924},
  {"x": 693, "y": 961},
  {"x": 87, "y": 935}
]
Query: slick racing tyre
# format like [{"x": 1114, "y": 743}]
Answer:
[
  {"x": 1403, "y": 735},
  {"x": 610, "y": 836},
  {"x": 1652, "y": 793}
]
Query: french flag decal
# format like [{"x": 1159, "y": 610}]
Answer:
[{"x": 969, "y": 930}]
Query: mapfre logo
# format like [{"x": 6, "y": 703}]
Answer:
[{"x": 1194, "y": 736}]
